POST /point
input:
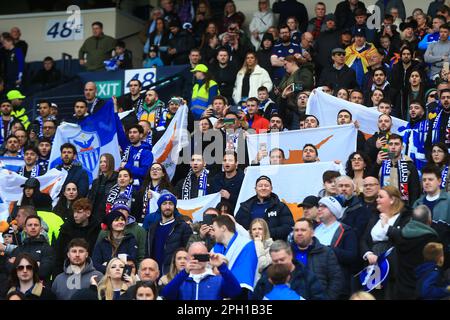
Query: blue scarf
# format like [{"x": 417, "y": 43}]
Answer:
[
  {"x": 444, "y": 174},
  {"x": 2, "y": 138},
  {"x": 414, "y": 142},
  {"x": 202, "y": 185}
]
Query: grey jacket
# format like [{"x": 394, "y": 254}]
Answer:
[
  {"x": 441, "y": 210},
  {"x": 434, "y": 54},
  {"x": 67, "y": 283}
]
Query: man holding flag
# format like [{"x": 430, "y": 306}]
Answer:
[{"x": 76, "y": 173}]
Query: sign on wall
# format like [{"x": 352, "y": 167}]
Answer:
[
  {"x": 146, "y": 76},
  {"x": 64, "y": 29},
  {"x": 107, "y": 89}
]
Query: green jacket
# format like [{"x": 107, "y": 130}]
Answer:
[
  {"x": 138, "y": 232},
  {"x": 97, "y": 50},
  {"x": 54, "y": 223},
  {"x": 441, "y": 210}
]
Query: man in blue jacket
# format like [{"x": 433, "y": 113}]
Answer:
[
  {"x": 138, "y": 156},
  {"x": 198, "y": 281},
  {"x": 76, "y": 173}
]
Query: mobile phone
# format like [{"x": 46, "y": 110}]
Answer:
[
  {"x": 202, "y": 257},
  {"x": 228, "y": 121},
  {"x": 208, "y": 219},
  {"x": 297, "y": 87},
  {"x": 263, "y": 146},
  {"x": 391, "y": 155},
  {"x": 126, "y": 271}
]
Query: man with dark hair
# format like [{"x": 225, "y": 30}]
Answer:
[
  {"x": 378, "y": 81},
  {"x": 37, "y": 246},
  {"x": 310, "y": 153},
  {"x": 138, "y": 156},
  {"x": 80, "y": 108},
  {"x": 49, "y": 129},
  {"x": 254, "y": 119},
  {"x": 44, "y": 114},
  {"x": 311, "y": 121},
  {"x": 328, "y": 39},
  {"x": 81, "y": 225},
  {"x": 44, "y": 150},
  {"x": 96, "y": 49},
  {"x": 123, "y": 57},
  {"x": 345, "y": 117},
  {"x": 266, "y": 105},
  {"x": 180, "y": 43},
  {"x": 379, "y": 139},
  {"x": 48, "y": 75},
  {"x": 133, "y": 99},
  {"x": 357, "y": 96},
  {"x": 197, "y": 182},
  {"x": 280, "y": 51},
  {"x": 78, "y": 270},
  {"x": 329, "y": 183},
  {"x": 76, "y": 173},
  {"x": 276, "y": 123},
  {"x": 338, "y": 74},
  {"x": 345, "y": 13},
  {"x": 230, "y": 181},
  {"x": 224, "y": 73},
  {"x": 401, "y": 70},
  {"x": 439, "y": 125},
  {"x": 414, "y": 137},
  {"x": 6, "y": 119},
  {"x": 32, "y": 167},
  {"x": 14, "y": 63},
  {"x": 239, "y": 250},
  {"x": 398, "y": 170}
]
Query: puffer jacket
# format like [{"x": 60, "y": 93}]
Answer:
[
  {"x": 323, "y": 262},
  {"x": 79, "y": 176},
  {"x": 278, "y": 216}
]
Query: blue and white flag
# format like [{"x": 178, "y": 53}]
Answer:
[
  {"x": 374, "y": 275},
  {"x": 92, "y": 137},
  {"x": 11, "y": 163}
]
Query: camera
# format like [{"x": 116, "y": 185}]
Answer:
[{"x": 202, "y": 257}]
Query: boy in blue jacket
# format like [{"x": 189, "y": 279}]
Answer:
[
  {"x": 431, "y": 284},
  {"x": 279, "y": 275}
]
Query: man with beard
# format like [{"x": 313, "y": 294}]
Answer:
[
  {"x": 379, "y": 81},
  {"x": 12, "y": 147},
  {"x": 401, "y": 70},
  {"x": 6, "y": 119},
  {"x": 167, "y": 234},
  {"x": 32, "y": 167},
  {"x": 76, "y": 173},
  {"x": 398, "y": 170},
  {"x": 357, "y": 96},
  {"x": 379, "y": 139},
  {"x": 138, "y": 156},
  {"x": 415, "y": 135},
  {"x": 44, "y": 148},
  {"x": 439, "y": 127},
  {"x": 197, "y": 182},
  {"x": 355, "y": 215},
  {"x": 276, "y": 123},
  {"x": 310, "y": 153},
  {"x": 281, "y": 51},
  {"x": 49, "y": 129},
  {"x": 338, "y": 74},
  {"x": 151, "y": 109},
  {"x": 78, "y": 270},
  {"x": 230, "y": 181}
]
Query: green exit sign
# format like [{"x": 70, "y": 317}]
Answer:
[{"x": 107, "y": 89}]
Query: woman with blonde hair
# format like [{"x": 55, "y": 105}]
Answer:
[
  {"x": 259, "y": 232},
  {"x": 114, "y": 283},
  {"x": 178, "y": 263},
  {"x": 381, "y": 230}
]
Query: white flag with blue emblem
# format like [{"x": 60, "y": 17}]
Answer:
[{"x": 92, "y": 137}]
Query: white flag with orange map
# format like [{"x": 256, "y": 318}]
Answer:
[
  {"x": 291, "y": 182},
  {"x": 332, "y": 143},
  {"x": 168, "y": 147},
  {"x": 11, "y": 190}
]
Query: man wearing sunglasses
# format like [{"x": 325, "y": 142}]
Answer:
[{"x": 338, "y": 74}]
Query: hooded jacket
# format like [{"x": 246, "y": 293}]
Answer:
[
  {"x": 278, "y": 216},
  {"x": 409, "y": 243},
  {"x": 77, "y": 175},
  {"x": 67, "y": 282},
  {"x": 41, "y": 251},
  {"x": 70, "y": 230},
  {"x": 103, "y": 251},
  {"x": 139, "y": 167},
  {"x": 431, "y": 284}
]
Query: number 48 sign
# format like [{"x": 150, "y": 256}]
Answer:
[
  {"x": 146, "y": 76},
  {"x": 70, "y": 28}
]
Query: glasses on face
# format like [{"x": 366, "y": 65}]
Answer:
[
  {"x": 29, "y": 267},
  {"x": 48, "y": 128},
  {"x": 156, "y": 169},
  {"x": 356, "y": 159},
  {"x": 370, "y": 185}
]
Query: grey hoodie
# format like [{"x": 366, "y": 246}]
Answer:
[{"x": 67, "y": 282}]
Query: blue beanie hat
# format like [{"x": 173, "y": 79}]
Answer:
[
  {"x": 121, "y": 202},
  {"x": 167, "y": 196}
]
